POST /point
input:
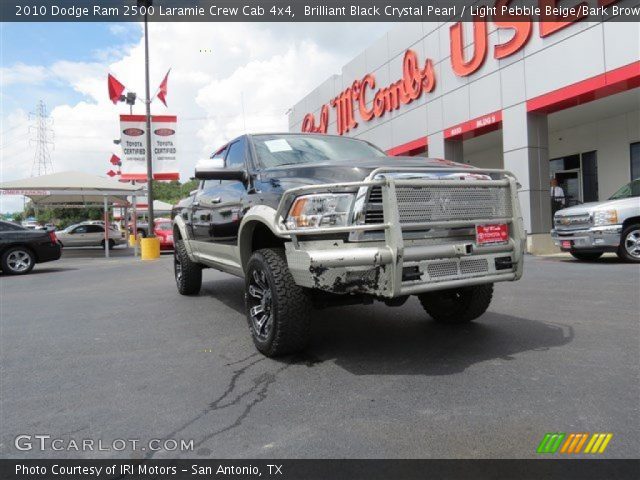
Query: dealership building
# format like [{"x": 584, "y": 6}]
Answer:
[{"x": 539, "y": 99}]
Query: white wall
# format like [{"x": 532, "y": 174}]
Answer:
[{"x": 611, "y": 138}]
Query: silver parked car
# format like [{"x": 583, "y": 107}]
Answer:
[
  {"x": 588, "y": 230},
  {"x": 88, "y": 235}
]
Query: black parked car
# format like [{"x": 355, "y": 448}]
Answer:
[{"x": 21, "y": 249}]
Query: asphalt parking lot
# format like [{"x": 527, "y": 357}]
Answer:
[{"x": 106, "y": 349}]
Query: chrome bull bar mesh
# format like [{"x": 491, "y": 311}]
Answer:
[
  {"x": 444, "y": 202},
  {"x": 412, "y": 203}
]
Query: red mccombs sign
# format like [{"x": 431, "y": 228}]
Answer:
[{"x": 417, "y": 80}]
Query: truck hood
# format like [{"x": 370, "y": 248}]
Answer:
[
  {"x": 290, "y": 176},
  {"x": 586, "y": 208}
]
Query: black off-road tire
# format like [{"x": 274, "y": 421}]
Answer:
[
  {"x": 586, "y": 256},
  {"x": 289, "y": 305},
  {"x": 622, "y": 252},
  {"x": 188, "y": 274},
  {"x": 13, "y": 261},
  {"x": 457, "y": 305}
]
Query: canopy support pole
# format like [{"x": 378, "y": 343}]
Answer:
[
  {"x": 106, "y": 226},
  {"x": 124, "y": 219},
  {"x": 135, "y": 225}
]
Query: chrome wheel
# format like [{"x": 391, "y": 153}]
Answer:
[
  {"x": 260, "y": 304},
  {"x": 19, "y": 261},
  {"x": 632, "y": 243}
]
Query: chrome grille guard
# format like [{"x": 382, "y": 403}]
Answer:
[{"x": 392, "y": 224}]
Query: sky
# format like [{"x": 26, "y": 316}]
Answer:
[{"x": 215, "y": 68}]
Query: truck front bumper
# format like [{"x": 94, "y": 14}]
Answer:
[
  {"x": 396, "y": 265},
  {"x": 340, "y": 267},
  {"x": 595, "y": 238}
]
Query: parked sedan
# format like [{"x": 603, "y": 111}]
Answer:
[
  {"x": 164, "y": 232},
  {"x": 22, "y": 248},
  {"x": 89, "y": 235}
]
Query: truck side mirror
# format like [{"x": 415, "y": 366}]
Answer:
[{"x": 213, "y": 169}]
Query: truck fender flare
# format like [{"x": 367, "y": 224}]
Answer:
[
  {"x": 180, "y": 225},
  {"x": 259, "y": 214}
]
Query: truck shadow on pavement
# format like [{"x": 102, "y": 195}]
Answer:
[
  {"x": 381, "y": 340},
  {"x": 372, "y": 343}
]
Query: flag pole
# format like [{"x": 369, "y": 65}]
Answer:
[{"x": 151, "y": 233}]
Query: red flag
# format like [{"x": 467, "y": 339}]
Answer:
[
  {"x": 111, "y": 173},
  {"x": 115, "y": 88},
  {"x": 115, "y": 160},
  {"x": 162, "y": 89}
]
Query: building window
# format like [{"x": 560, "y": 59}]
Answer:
[{"x": 635, "y": 160}]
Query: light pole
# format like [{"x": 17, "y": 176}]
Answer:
[{"x": 146, "y": 4}]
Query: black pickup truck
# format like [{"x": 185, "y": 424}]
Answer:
[
  {"x": 315, "y": 220},
  {"x": 21, "y": 248}
]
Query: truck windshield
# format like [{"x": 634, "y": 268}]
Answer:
[
  {"x": 631, "y": 189},
  {"x": 279, "y": 150}
]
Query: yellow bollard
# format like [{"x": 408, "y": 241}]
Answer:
[
  {"x": 150, "y": 248},
  {"x": 132, "y": 240}
]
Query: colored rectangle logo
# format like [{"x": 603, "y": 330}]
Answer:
[{"x": 574, "y": 443}]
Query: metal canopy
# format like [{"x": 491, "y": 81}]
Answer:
[
  {"x": 81, "y": 189},
  {"x": 71, "y": 187}
]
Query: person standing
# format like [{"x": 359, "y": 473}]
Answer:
[{"x": 557, "y": 196}]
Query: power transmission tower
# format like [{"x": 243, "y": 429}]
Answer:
[{"x": 42, "y": 136}]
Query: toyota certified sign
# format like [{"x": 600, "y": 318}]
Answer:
[{"x": 134, "y": 147}]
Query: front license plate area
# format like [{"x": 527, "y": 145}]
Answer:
[
  {"x": 494, "y": 234},
  {"x": 565, "y": 244}
]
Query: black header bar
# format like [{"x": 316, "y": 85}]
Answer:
[
  {"x": 586, "y": 469},
  {"x": 315, "y": 10}
]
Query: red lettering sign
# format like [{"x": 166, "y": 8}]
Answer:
[
  {"x": 475, "y": 127},
  {"x": 360, "y": 97},
  {"x": 463, "y": 67},
  {"x": 520, "y": 24},
  {"x": 309, "y": 122},
  {"x": 552, "y": 23},
  {"x": 415, "y": 81}
]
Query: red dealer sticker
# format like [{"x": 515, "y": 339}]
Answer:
[{"x": 486, "y": 234}]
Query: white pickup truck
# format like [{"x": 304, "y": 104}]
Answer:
[{"x": 588, "y": 230}]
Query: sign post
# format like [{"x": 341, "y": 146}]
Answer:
[{"x": 150, "y": 234}]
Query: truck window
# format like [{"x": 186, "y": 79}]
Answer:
[{"x": 235, "y": 157}]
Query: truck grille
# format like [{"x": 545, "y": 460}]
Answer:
[
  {"x": 424, "y": 204},
  {"x": 572, "y": 222}
]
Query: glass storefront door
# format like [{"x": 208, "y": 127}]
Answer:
[
  {"x": 569, "y": 181},
  {"x": 578, "y": 176}
]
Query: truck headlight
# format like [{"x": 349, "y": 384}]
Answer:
[
  {"x": 605, "y": 217},
  {"x": 320, "y": 210}
]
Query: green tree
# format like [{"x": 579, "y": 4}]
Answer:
[{"x": 172, "y": 192}]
